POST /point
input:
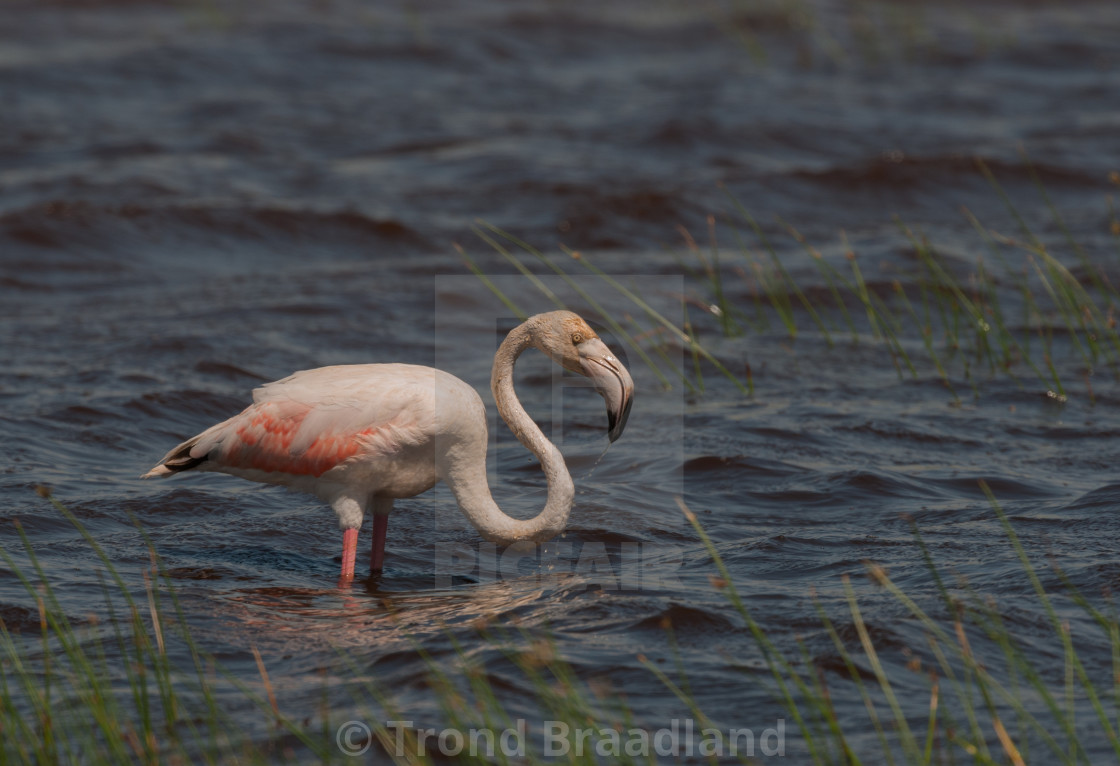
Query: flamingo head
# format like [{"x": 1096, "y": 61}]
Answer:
[{"x": 570, "y": 342}]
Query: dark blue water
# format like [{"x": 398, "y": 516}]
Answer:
[{"x": 200, "y": 198}]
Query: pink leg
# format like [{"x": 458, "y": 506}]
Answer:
[
  {"x": 377, "y": 552},
  {"x": 349, "y": 549}
]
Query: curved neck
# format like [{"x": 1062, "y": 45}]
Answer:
[{"x": 470, "y": 485}]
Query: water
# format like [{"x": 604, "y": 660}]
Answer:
[{"x": 202, "y": 198}]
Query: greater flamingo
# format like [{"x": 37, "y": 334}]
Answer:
[{"x": 360, "y": 436}]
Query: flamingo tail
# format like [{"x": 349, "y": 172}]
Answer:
[{"x": 178, "y": 459}]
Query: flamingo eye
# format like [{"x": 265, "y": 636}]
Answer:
[{"x": 577, "y": 338}]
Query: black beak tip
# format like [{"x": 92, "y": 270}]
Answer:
[{"x": 616, "y": 425}]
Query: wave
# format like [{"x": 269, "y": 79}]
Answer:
[
  {"x": 55, "y": 223},
  {"x": 896, "y": 169}
]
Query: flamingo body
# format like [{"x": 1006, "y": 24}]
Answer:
[{"x": 347, "y": 434}]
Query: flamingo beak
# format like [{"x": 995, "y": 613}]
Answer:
[{"x": 612, "y": 381}]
